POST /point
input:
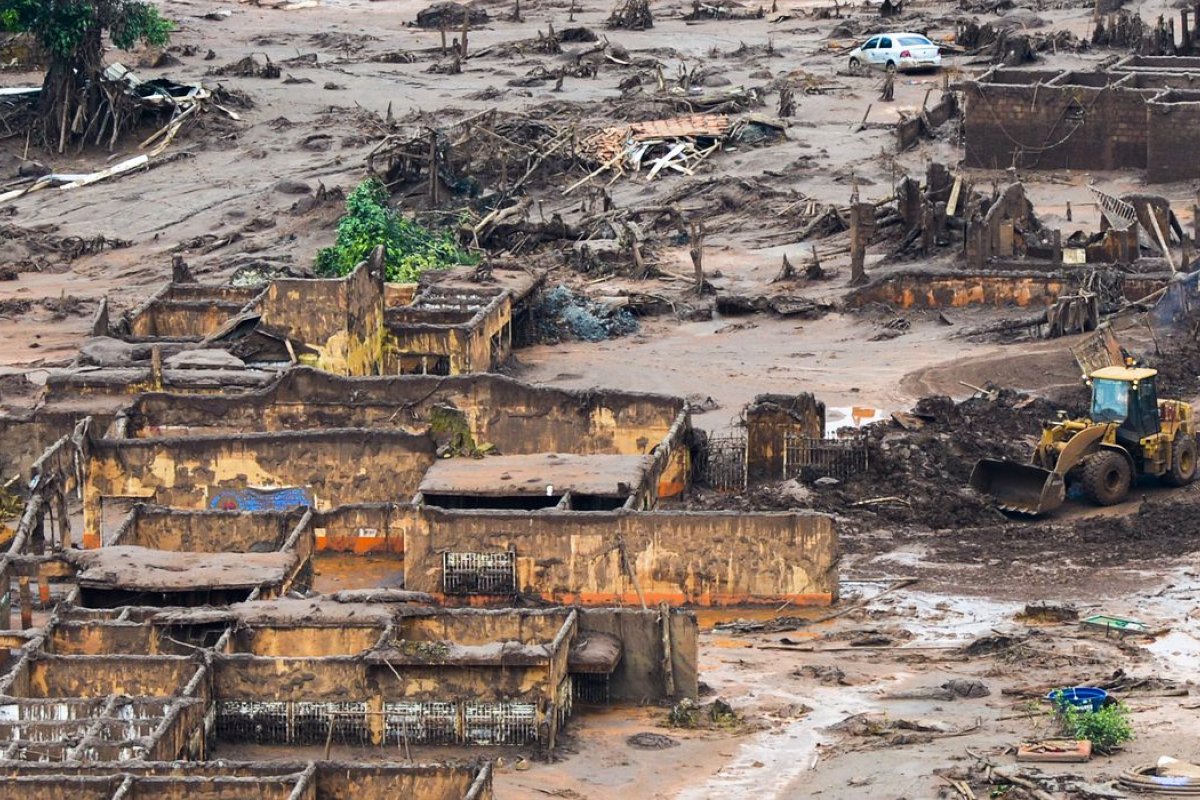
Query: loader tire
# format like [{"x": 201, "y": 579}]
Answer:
[
  {"x": 1183, "y": 462},
  {"x": 1106, "y": 478}
]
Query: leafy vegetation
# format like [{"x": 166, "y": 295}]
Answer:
[
  {"x": 410, "y": 248},
  {"x": 65, "y": 26},
  {"x": 1107, "y": 729}
]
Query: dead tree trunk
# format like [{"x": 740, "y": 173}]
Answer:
[
  {"x": 696, "y": 250},
  {"x": 72, "y": 99},
  {"x": 787, "y": 102}
]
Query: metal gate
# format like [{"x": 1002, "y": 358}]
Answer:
[
  {"x": 722, "y": 464},
  {"x": 479, "y": 573},
  {"x": 809, "y": 458}
]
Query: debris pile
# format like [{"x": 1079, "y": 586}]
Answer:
[
  {"x": 41, "y": 249},
  {"x": 449, "y": 14},
  {"x": 632, "y": 15},
  {"x": 679, "y": 144},
  {"x": 563, "y": 315},
  {"x": 489, "y": 157}
]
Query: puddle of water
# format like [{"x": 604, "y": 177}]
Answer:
[
  {"x": 1180, "y": 650},
  {"x": 707, "y": 618},
  {"x": 782, "y": 757},
  {"x": 841, "y": 417}
]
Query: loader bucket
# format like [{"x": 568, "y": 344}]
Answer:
[{"x": 1022, "y": 488}]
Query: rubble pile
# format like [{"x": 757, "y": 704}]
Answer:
[{"x": 563, "y": 315}]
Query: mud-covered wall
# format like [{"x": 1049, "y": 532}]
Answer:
[
  {"x": 678, "y": 557},
  {"x": 331, "y": 781},
  {"x": 244, "y": 677},
  {"x": 359, "y": 529},
  {"x": 182, "y": 319},
  {"x": 641, "y": 672},
  {"x": 514, "y": 417},
  {"x": 476, "y": 345},
  {"x": 1046, "y": 126},
  {"x": 100, "y": 676},
  {"x": 205, "y": 531},
  {"x": 388, "y": 783},
  {"x": 341, "y": 319},
  {"x": 926, "y": 290},
  {"x": 336, "y": 466},
  {"x": 481, "y": 627},
  {"x": 25, "y": 440},
  {"x": 309, "y": 641},
  {"x": 770, "y": 420}
]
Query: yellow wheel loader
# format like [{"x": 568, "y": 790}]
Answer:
[{"x": 1129, "y": 433}]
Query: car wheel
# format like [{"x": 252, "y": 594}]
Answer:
[{"x": 855, "y": 66}]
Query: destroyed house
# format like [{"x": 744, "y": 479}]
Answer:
[
  {"x": 450, "y": 324},
  {"x": 129, "y": 685},
  {"x": 1142, "y": 113},
  {"x": 486, "y": 487}
]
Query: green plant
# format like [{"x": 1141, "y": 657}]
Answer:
[
  {"x": 409, "y": 248},
  {"x": 1107, "y": 729}
]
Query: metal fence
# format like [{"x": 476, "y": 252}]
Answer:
[
  {"x": 722, "y": 464},
  {"x": 415, "y": 722},
  {"x": 809, "y": 458},
  {"x": 479, "y": 573}
]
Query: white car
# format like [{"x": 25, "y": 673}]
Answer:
[{"x": 896, "y": 51}]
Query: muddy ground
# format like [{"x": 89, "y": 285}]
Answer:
[{"x": 263, "y": 192}]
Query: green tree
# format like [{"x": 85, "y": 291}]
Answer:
[
  {"x": 74, "y": 104},
  {"x": 409, "y": 248}
]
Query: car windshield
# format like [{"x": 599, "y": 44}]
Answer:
[
  {"x": 914, "y": 40},
  {"x": 1110, "y": 400}
]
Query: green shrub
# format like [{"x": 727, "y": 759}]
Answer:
[
  {"x": 1107, "y": 729},
  {"x": 410, "y": 248}
]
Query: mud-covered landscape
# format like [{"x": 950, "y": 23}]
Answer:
[{"x": 551, "y": 398}]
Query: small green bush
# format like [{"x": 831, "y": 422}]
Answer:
[
  {"x": 410, "y": 248},
  {"x": 1107, "y": 729}
]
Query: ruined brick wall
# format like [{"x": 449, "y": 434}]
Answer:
[
  {"x": 679, "y": 557},
  {"x": 338, "y": 467},
  {"x": 1054, "y": 127},
  {"x": 1174, "y": 138}
]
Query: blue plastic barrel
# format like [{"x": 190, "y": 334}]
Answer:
[{"x": 1079, "y": 697}]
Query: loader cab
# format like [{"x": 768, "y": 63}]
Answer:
[{"x": 1127, "y": 396}]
